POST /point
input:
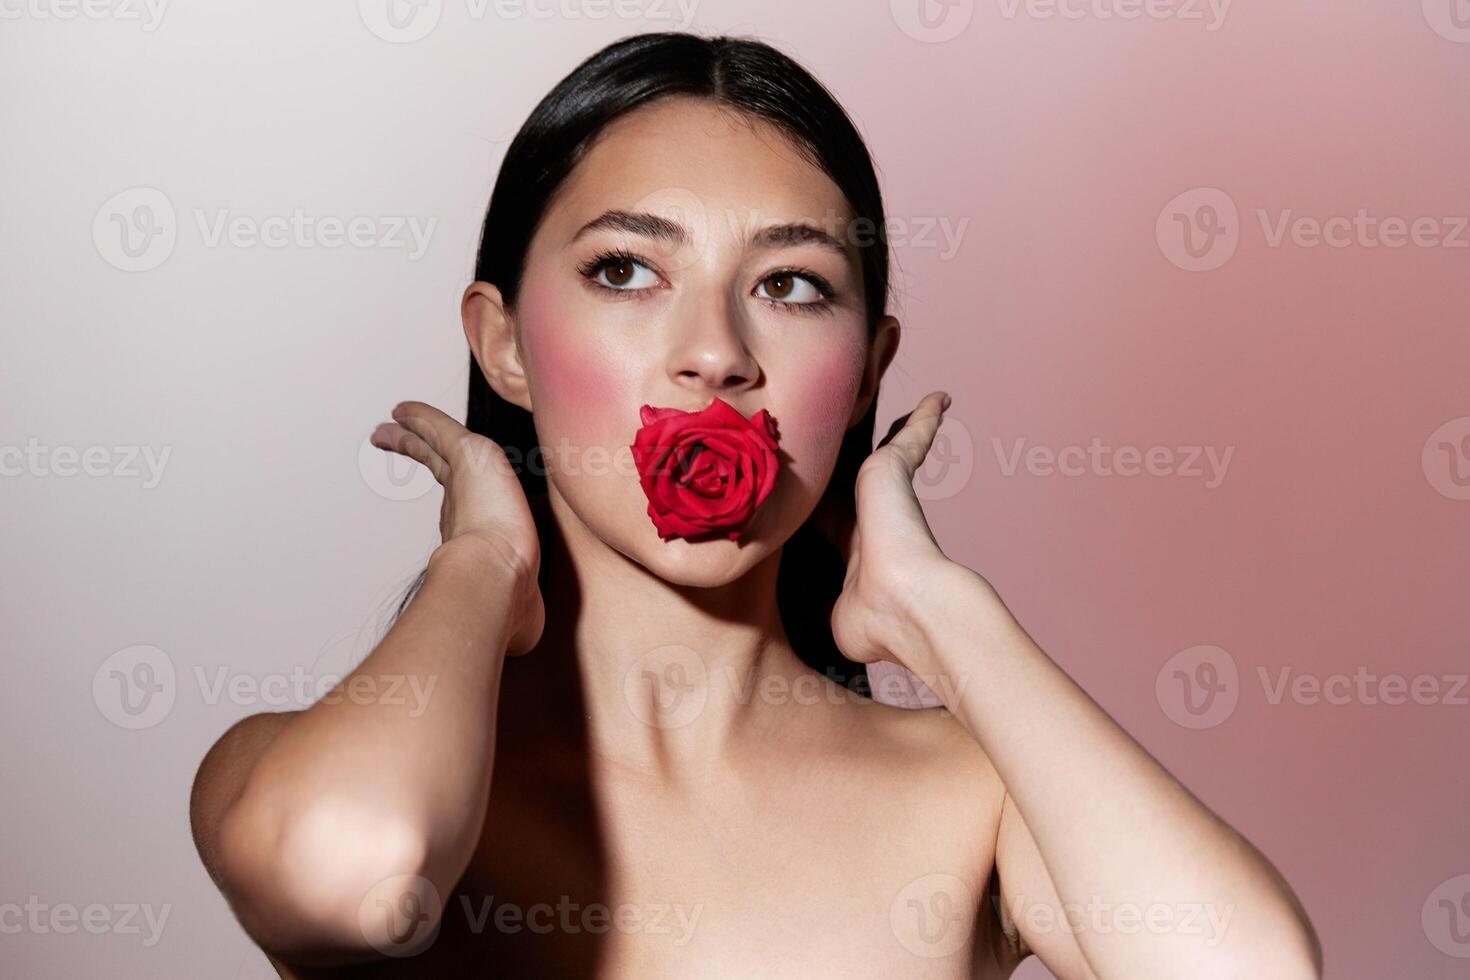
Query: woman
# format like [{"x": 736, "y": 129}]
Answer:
[{"x": 677, "y": 333}]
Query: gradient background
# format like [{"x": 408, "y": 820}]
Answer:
[{"x": 1336, "y": 543}]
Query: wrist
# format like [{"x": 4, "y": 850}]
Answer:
[
  {"x": 479, "y": 557},
  {"x": 954, "y": 602}
]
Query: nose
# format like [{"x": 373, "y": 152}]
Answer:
[{"x": 709, "y": 353}]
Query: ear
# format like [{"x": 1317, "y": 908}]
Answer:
[
  {"x": 490, "y": 328},
  {"x": 880, "y": 355}
]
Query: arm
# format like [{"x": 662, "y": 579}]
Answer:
[
  {"x": 1156, "y": 884},
  {"x": 299, "y": 816},
  {"x": 322, "y": 826}
]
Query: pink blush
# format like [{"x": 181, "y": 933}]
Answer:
[
  {"x": 577, "y": 373},
  {"x": 826, "y": 400}
]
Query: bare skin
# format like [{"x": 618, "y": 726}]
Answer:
[{"x": 558, "y": 808}]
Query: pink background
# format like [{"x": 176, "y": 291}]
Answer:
[{"x": 1334, "y": 543}]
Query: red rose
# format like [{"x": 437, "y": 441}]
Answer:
[{"x": 704, "y": 472}]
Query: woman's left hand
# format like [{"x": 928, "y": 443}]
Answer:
[{"x": 892, "y": 557}]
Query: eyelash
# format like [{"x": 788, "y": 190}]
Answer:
[{"x": 593, "y": 266}]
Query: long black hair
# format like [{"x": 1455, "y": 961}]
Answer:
[{"x": 753, "y": 78}]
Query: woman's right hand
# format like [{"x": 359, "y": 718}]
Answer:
[{"x": 483, "y": 500}]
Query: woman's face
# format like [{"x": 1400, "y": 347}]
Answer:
[{"x": 612, "y": 315}]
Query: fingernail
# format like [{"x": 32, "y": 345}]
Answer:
[{"x": 947, "y": 400}]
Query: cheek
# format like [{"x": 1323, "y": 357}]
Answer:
[
  {"x": 823, "y": 404},
  {"x": 572, "y": 379}
]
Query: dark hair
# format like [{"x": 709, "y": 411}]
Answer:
[{"x": 752, "y": 78}]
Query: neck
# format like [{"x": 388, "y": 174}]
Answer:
[{"x": 659, "y": 677}]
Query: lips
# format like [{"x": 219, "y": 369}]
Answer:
[{"x": 705, "y": 473}]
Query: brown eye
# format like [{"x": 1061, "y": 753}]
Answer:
[
  {"x": 619, "y": 272},
  {"x": 792, "y": 289}
]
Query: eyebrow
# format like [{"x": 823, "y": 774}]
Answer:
[{"x": 654, "y": 226}]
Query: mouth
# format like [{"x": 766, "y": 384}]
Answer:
[{"x": 705, "y": 473}]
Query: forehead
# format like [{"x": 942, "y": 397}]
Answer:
[{"x": 684, "y": 153}]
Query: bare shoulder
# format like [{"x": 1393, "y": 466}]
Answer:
[{"x": 928, "y": 757}]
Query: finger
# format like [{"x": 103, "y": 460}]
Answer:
[
  {"x": 913, "y": 435},
  {"x": 395, "y": 438},
  {"x": 443, "y": 434}
]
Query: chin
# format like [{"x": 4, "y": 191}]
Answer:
[{"x": 703, "y": 563}]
